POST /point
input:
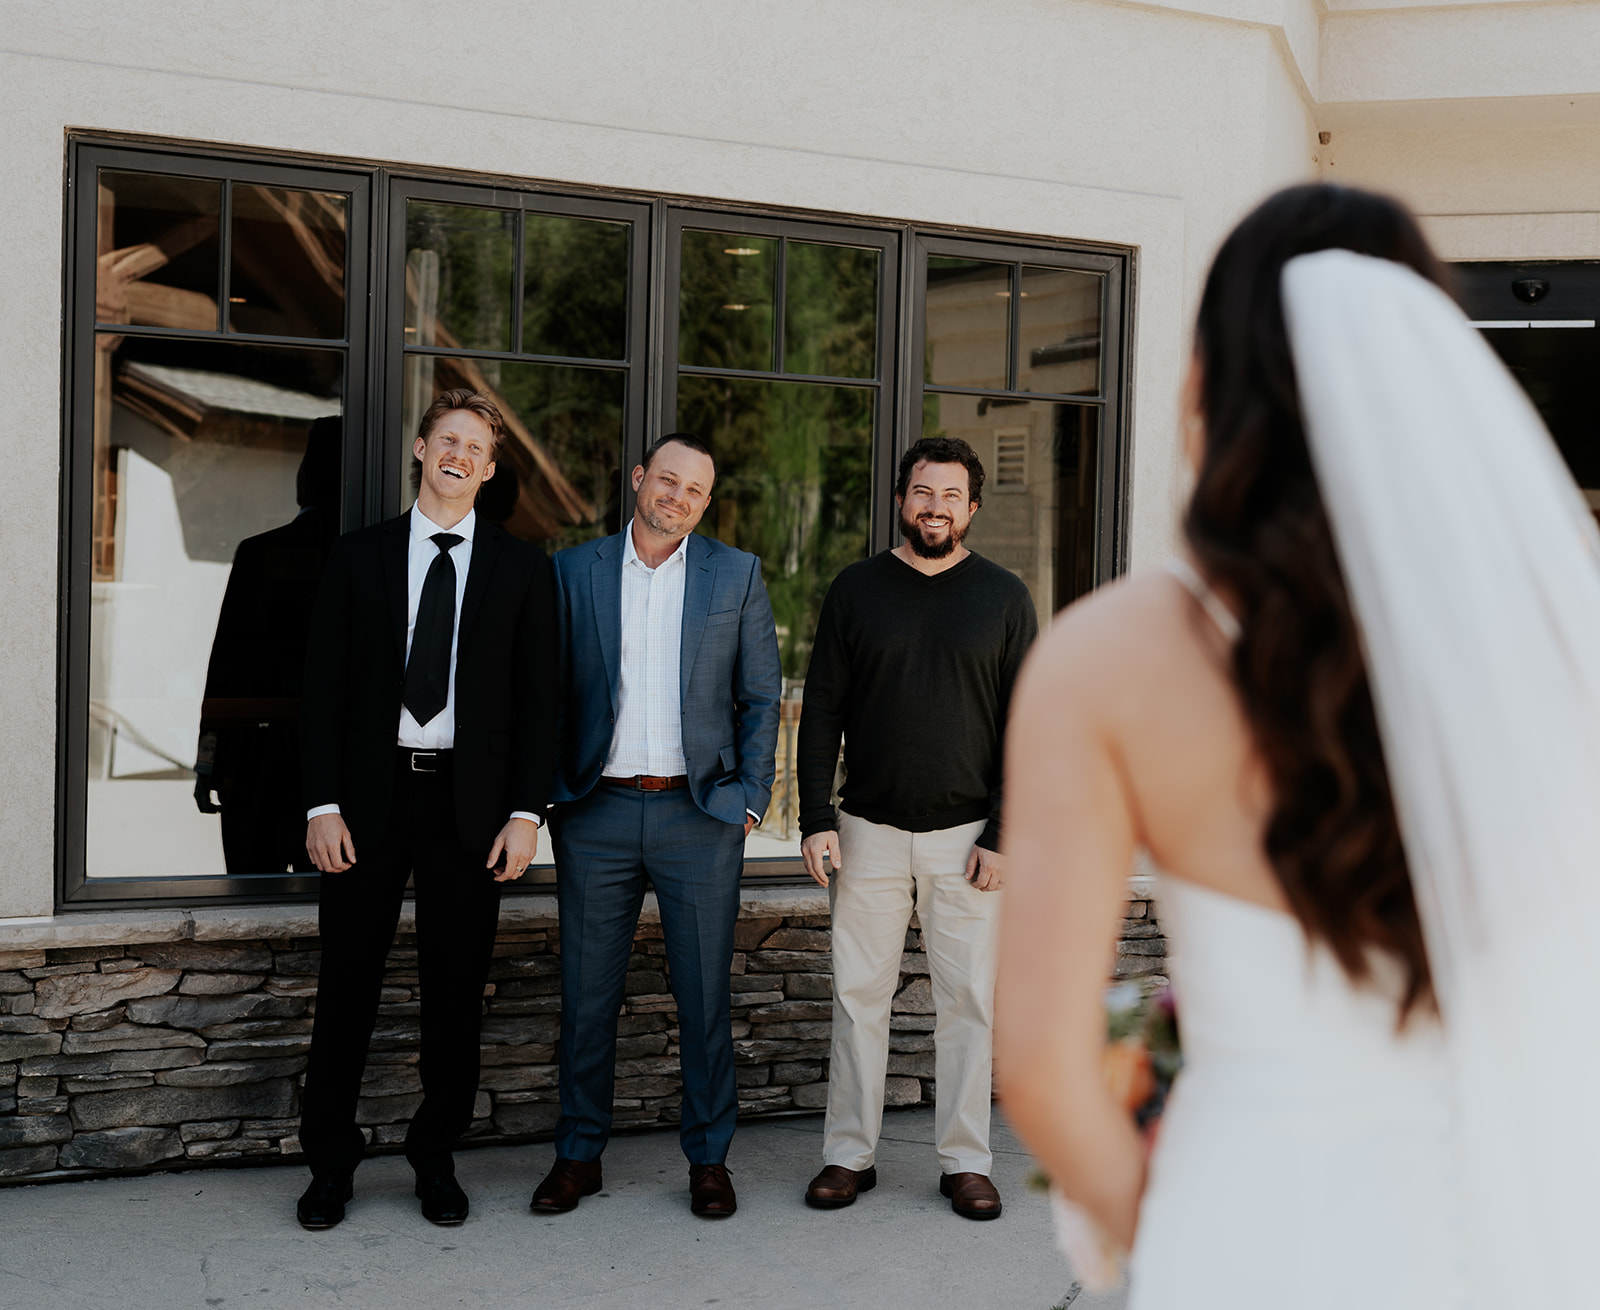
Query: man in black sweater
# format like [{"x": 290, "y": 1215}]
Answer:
[{"x": 916, "y": 653}]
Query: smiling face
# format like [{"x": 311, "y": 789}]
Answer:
[
  {"x": 674, "y": 491},
  {"x": 456, "y": 460},
  {"x": 936, "y": 510}
]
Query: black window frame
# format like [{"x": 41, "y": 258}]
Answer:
[
  {"x": 1110, "y": 399},
  {"x": 86, "y": 159},
  {"x": 523, "y": 201},
  {"x": 374, "y": 348}
]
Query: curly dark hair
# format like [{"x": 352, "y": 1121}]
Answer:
[
  {"x": 942, "y": 450},
  {"x": 1257, "y": 528}
]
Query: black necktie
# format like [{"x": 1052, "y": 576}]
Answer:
[{"x": 427, "y": 684}]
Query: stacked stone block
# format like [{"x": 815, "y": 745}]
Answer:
[{"x": 161, "y": 1054}]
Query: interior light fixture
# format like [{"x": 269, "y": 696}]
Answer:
[
  {"x": 236, "y": 300},
  {"x": 736, "y": 307},
  {"x": 740, "y": 250},
  {"x": 1006, "y": 295}
]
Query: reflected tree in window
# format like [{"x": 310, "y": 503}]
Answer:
[{"x": 794, "y": 486}]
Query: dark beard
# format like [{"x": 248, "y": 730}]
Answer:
[{"x": 919, "y": 544}]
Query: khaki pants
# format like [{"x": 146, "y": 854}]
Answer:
[{"x": 885, "y": 870}]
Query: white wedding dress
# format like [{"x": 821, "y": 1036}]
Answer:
[
  {"x": 1312, "y": 1154},
  {"x": 1308, "y": 1156}
]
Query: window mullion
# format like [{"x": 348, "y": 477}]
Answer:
[
  {"x": 780, "y": 280},
  {"x": 1013, "y": 326},
  {"x": 224, "y": 254},
  {"x": 519, "y": 273}
]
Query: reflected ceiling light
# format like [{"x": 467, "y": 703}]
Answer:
[
  {"x": 736, "y": 307},
  {"x": 1006, "y": 295},
  {"x": 741, "y": 250},
  {"x": 236, "y": 300}
]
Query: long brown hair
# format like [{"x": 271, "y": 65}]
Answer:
[{"x": 1257, "y": 528}]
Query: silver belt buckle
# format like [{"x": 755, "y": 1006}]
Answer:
[{"x": 432, "y": 757}]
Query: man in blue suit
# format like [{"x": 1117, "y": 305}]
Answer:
[{"x": 670, "y": 685}]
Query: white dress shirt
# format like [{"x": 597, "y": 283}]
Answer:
[
  {"x": 439, "y": 732},
  {"x": 649, "y": 734}
]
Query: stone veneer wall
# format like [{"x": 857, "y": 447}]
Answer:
[{"x": 164, "y": 1039}]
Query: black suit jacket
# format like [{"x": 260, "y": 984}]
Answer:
[{"x": 505, "y": 706}]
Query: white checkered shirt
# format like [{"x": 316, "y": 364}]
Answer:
[{"x": 649, "y": 735}]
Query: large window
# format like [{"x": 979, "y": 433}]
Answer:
[
  {"x": 239, "y": 393},
  {"x": 1015, "y": 359}
]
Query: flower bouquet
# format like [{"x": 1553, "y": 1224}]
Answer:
[{"x": 1141, "y": 1058}]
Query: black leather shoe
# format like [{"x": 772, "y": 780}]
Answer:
[
  {"x": 711, "y": 1191},
  {"x": 322, "y": 1205},
  {"x": 836, "y": 1187},
  {"x": 567, "y": 1183},
  {"x": 443, "y": 1201}
]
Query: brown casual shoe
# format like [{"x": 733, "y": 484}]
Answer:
[
  {"x": 972, "y": 1196},
  {"x": 836, "y": 1187},
  {"x": 567, "y": 1183},
  {"x": 711, "y": 1191}
]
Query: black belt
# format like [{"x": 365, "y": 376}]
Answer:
[
  {"x": 650, "y": 782},
  {"x": 426, "y": 761}
]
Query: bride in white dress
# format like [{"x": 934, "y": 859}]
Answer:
[{"x": 1358, "y": 728}]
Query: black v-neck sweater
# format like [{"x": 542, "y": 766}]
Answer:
[{"x": 915, "y": 672}]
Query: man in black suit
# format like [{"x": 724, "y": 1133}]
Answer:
[{"x": 428, "y": 743}]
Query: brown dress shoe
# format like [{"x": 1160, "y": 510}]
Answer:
[
  {"x": 711, "y": 1191},
  {"x": 972, "y": 1196},
  {"x": 836, "y": 1187},
  {"x": 567, "y": 1183}
]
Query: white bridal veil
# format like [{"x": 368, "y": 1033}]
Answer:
[{"x": 1474, "y": 570}]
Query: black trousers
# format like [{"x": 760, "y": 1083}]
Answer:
[{"x": 458, "y": 907}]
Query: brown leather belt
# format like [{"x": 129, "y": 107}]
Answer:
[{"x": 649, "y": 782}]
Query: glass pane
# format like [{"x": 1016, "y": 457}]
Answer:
[
  {"x": 557, "y": 478},
  {"x": 967, "y": 311},
  {"x": 1040, "y": 510},
  {"x": 217, "y": 475},
  {"x": 460, "y": 263},
  {"x": 1058, "y": 345},
  {"x": 286, "y": 264},
  {"x": 1557, "y": 368},
  {"x": 794, "y": 486},
  {"x": 725, "y": 295},
  {"x": 830, "y": 310},
  {"x": 156, "y": 250},
  {"x": 575, "y": 287}
]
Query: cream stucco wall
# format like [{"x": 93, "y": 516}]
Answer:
[{"x": 1154, "y": 126}]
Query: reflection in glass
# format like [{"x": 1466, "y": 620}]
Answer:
[
  {"x": 219, "y": 484},
  {"x": 557, "y": 478},
  {"x": 968, "y": 308},
  {"x": 725, "y": 299},
  {"x": 794, "y": 486},
  {"x": 287, "y": 262},
  {"x": 1040, "y": 500},
  {"x": 460, "y": 264},
  {"x": 575, "y": 287},
  {"x": 830, "y": 310},
  {"x": 1058, "y": 342},
  {"x": 156, "y": 250}
]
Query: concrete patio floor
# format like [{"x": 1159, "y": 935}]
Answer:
[{"x": 228, "y": 1238}]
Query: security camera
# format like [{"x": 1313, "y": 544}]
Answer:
[{"x": 1530, "y": 290}]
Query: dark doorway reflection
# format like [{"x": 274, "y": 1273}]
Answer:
[
  {"x": 1542, "y": 320},
  {"x": 248, "y": 758}
]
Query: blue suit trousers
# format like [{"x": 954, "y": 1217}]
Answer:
[{"x": 608, "y": 846}]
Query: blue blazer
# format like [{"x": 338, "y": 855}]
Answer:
[{"x": 730, "y": 677}]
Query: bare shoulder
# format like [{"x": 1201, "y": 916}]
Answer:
[{"x": 1117, "y": 637}]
